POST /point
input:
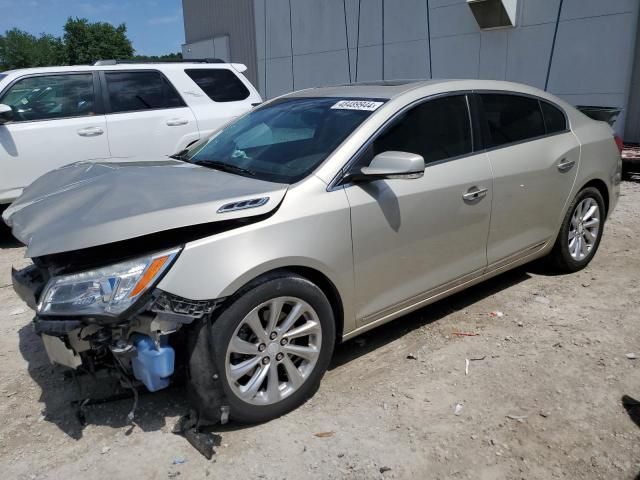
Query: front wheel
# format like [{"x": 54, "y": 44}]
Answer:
[
  {"x": 581, "y": 231},
  {"x": 272, "y": 346}
]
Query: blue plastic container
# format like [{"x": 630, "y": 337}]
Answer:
[{"x": 153, "y": 366}]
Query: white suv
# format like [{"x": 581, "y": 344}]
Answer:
[{"x": 54, "y": 116}]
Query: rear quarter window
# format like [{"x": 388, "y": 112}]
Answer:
[
  {"x": 554, "y": 119},
  {"x": 220, "y": 84},
  {"x": 512, "y": 118}
]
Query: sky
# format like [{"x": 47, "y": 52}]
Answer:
[{"x": 154, "y": 26}]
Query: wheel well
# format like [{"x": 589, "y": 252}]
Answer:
[
  {"x": 316, "y": 277},
  {"x": 604, "y": 191},
  {"x": 329, "y": 289}
]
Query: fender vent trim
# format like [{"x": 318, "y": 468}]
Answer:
[{"x": 243, "y": 205}]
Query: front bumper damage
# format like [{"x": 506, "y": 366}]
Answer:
[{"x": 164, "y": 341}]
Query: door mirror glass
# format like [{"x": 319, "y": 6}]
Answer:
[
  {"x": 390, "y": 165},
  {"x": 6, "y": 113}
]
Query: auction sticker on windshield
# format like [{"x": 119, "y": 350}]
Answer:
[{"x": 366, "y": 105}]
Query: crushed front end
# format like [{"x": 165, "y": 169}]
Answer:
[{"x": 111, "y": 318}]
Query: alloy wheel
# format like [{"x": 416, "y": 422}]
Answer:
[
  {"x": 273, "y": 350},
  {"x": 584, "y": 228}
]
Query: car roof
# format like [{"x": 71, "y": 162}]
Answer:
[
  {"x": 124, "y": 66},
  {"x": 395, "y": 88}
]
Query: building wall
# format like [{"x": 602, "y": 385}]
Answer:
[
  {"x": 206, "y": 20},
  {"x": 632, "y": 126},
  {"x": 304, "y": 43}
]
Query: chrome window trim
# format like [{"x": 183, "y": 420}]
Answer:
[{"x": 336, "y": 181}]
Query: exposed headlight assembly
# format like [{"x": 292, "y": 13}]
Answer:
[{"x": 106, "y": 291}]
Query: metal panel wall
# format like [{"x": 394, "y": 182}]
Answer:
[
  {"x": 632, "y": 127},
  {"x": 207, "y": 19},
  {"x": 582, "y": 50}
]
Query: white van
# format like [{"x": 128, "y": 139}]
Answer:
[{"x": 54, "y": 116}]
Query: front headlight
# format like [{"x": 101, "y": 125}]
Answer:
[{"x": 104, "y": 291}]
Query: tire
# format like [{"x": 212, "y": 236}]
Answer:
[
  {"x": 566, "y": 255},
  {"x": 251, "y": 310}
]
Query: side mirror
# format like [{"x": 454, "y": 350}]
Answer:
[
  {"x": 390, "y": 165},
  {"x": 6, "y": 113}
]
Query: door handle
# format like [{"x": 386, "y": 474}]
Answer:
[
  {"x": 90, "y": 132},
  {"x": 566, "y": 165},
  {"x": 176, "y": 122},
  {"x": 475, "y": 193}
]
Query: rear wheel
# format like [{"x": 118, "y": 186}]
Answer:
[
  {"x": 581, "y": 231},
  {"x": 272, "y": 346}
]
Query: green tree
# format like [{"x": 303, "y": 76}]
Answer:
[
  {"x": 169, "y": 57},
  {"x": 20, "y": 49},
  {"x": 87, "y": 42}
]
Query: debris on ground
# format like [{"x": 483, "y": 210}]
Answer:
[
  {"x": 105, "y": 450},
  {"x": 631, "y": 356},
  {"x": 179, "y": 460},
  {"x": 465, "y": 334},
  {"x": 518, "y": 418},
  {"x": 203, "y": 441},
  {"x": 496, "y": 313},
  {"x": 324, "y": 434},
  {"x": 411, "y": 356},
  {"x": 466, "y": 366},
  {"x": 542, "y": 299},
  {"x": 385, "y": 469},
  {"x": 458, "y": 408}
]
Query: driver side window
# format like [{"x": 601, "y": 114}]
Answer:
[
  {"x": 48, "y": 97},
  {"x": 436, "y": 129}
]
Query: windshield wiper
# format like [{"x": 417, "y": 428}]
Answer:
[{"x": 225, "y": 167}]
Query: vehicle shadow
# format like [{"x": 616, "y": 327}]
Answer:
[
  {"x": 6, "y": 239},
  {"x": 632, "y": 407},
  {"x": 395, "y": 329},
  {"x": 59, "y": 391},
  {"x": 632, "y": 177}
]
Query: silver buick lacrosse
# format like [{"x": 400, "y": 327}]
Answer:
[{"x": 243, "y": 259}]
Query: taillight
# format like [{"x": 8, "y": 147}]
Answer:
[{"x": 619, "y": 143}]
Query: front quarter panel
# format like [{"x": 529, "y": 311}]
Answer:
[{"x": 310, "y": 229}]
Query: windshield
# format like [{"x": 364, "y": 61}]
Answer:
[{"x": 283, "y": 141}]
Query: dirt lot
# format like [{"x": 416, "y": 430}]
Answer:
[{"x": 545, "y": 401}]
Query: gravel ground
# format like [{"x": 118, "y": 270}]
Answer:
[{"x": 546, "y": 394}]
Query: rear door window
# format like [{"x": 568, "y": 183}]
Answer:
[
  {"x": 512, "y": 118},
  {"x": 142, "y": 90},
  {"x": 436, "y": 129},
  {"x": 47, "y": 97},
  {"x": 220, "y": 84},
  {"x": 554, "y": 119}
]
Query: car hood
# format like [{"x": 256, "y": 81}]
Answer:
[{"x": 87, "y": 204}]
